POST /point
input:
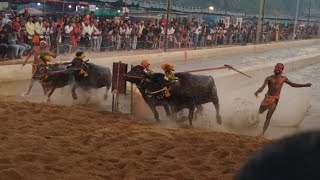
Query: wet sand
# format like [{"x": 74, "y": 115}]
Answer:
[{"x": 40, "y": 141}]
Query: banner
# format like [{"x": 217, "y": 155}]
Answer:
[
  {"x": 239, "y": 21},
  {"x": 92, "y": 8},
  {"x": 125, "y": 10},
  {"x": 227, "y": 22}
]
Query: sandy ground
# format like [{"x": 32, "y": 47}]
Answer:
[{"x": 41, "y": 141}]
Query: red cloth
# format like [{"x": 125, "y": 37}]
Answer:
[{"x": 16, "y": 26}]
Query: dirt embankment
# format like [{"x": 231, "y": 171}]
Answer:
[{"x": 41, "y": 141}]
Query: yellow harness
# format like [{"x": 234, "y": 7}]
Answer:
[
  {"x": 83, "y": 72},
  {"x": 166, "y": 91}
]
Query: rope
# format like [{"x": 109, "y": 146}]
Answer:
[
  {"x": 136, "y": 77},
  {"x": 159, "y": 91}
]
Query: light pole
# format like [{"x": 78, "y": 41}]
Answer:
[
  {"x": 63, "y": 8},
  {"x": 260, "y": 21},
  {"x": 166, "y": 30},
  {"x": 295, "y": 20}
]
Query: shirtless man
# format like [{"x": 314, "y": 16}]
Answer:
[
  {"x": 36, "y": 51},
  {"x": 275, "y": 83}
]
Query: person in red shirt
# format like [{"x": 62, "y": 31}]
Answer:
[{"x": 16, "y": 24}]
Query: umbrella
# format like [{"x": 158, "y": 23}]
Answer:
[{"x": 32, "y": 12}]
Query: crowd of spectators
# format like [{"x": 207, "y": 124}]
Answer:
[{"x": 69, "y": 33}]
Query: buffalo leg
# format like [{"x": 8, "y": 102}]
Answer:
[
  {"x": 30, "y": 87},
  {"x": 74, "y": 95},
  {"x": 48, "y": 95},
  {"x": 217, "y": 106},
  {"x": 174, "y": 113},
  {"x": 155, "y": 112},
  {"x": 106, "y": 94},
  {"x": 89, "y": 96},
  {"x": 191, "y": 112},
  {"x": 199, "y": 111},
  {"x": 166, "y": 108}
]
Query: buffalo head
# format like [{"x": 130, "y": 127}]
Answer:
[
  {"x": 157, "y": 83},
  {"x": 136, "y": 75},
  {"x": 41, "y": 72}
]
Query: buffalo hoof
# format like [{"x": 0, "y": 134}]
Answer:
[
  {"x": 47, "y": 100},
  {"x": 219, "y": 120},
  {"x": 75, "y": 97}
]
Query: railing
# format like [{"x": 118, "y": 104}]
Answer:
[{"x": 192, "y": 40}]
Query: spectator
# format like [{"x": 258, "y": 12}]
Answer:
[
  {"x": 67, "y": 31},
  {"x": 4, "y": 48},
  {"x": 38, "y": 29},
  {"x": 30, "y": 30},
  {"x": 96, "y": 37}
]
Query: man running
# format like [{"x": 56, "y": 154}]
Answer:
[
  {"x": 36, "y": 51},
  {"x": 275, "y": 83}
]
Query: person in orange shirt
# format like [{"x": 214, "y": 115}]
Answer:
[{"x": 86, "y": 17}]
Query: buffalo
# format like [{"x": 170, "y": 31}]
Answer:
[
  {"x": 89, "y": 76},
  {"x": 52, "y": 77},
  {"x": 294, "y": 158},
  {"x": 189, "y": 92},
  {"x": 145, "y": 82},
  {"x": 140, "y": 78}
]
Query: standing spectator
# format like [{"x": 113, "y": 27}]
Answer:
[
  {"x": 5, "y": 20},
  {"x": 16, "y": 25},
  {"x": 22, "y": 20},
  {"x": 135, "y": 37},
  {"x": 38, "y": 28},
  {"x": 47, "y": 32},
  {"x": 30, "y": 30},
  {"x": 86, "y": 17},
  {"x": 96, "y": 37},
  {"x": 128, "y": 34},
  {"x": 67, "y": 30},
  {"x": 4, "y": 48},
  {"x": 23, "y": 35}
]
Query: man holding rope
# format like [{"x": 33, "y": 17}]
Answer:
[
  {"x": 36, "y": 52},
  {"x": 275, "y": 83}
]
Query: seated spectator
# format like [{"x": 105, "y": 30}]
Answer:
[
  {"x": 13, "y": 40},
  {"x": 4, "y": 47}
]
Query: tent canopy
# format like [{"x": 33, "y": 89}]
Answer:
[{"x": 32, "y": 12}]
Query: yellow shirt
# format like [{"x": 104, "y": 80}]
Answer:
[
  {"x": 30, "y": 29},
  {"x": 38, "y": 28}
]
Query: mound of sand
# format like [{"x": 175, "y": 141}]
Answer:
[{"x": 40, "y": 141}]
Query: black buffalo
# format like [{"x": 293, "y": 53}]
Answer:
[
  {"x": 140, "y": 78},
  {"x": 52, "y": 77},
  {"x": 97, "y": 77},
  {"x": 189, "y": 92},
  {"x": 145, "y": 82},
  {"x": 292, "y": 158}
]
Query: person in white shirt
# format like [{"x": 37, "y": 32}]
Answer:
[
  {"x": 47, "y": 31},
  {"x": 196, "y": 36},
  {"x": 96, "y": 37},
  {"x": 87, "y": 29},
  {"x": 128, "y": 34},
  {"x": 67, "y": 30},
  {"x": 38, "y": 28},
  {"x": 30, "y": 30}
]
